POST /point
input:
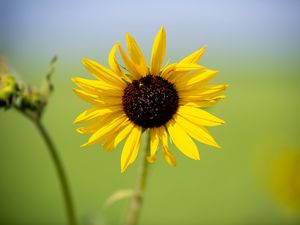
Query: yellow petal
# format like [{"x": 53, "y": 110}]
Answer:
[
  {"x": 158, "y": 52},
  {"x": 129, "y": 64},
  {"x": 183, "y": 142},
  {"x": 196, "y": 78},
  {"x": 151, "y": 159},
  {"x": 199, "y": 116},
  {"x": 93, "y": 99},
  {"x": 163, "y": 136},
  {"x": 197, "y": 132},
  {"x": 170, "y": 159},
  {"x": 93, "y": 127},
  {"x": 168, "y": 70},
  {"x": 210, "y": 102},
  {"x": 90, "y": 114},
  {"x": 103, "y": 73},
  {"x": 89, "y": 129},
  {"x": 203, "y": 103},
  {"x": 110, "y": 125},
  {"x": 113, "y": 63},
  {"x": 188, "y": 67},
  {"x": 183, "y": 70},
  {"x": 92, "y": 86},
  {"x": 118, "y": 135},
  {"x": 95, "y": 112},
  {"x": 100, "y": 92},
  {"x": 174, "y": 72},
  {"x": 154, "y": 141},
  {"x": 99, "y": 101},
  {"x": 202, "y": 91},
  {"x": 194, "y": 57},
  {"x": 131, "y": 147},
  {"x": 136, "y": 55},
  {"x": 98, "y": 123}
]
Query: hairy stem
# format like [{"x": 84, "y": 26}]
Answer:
[
  {"x": 137, "y": 200},
  {"x": 60, "y": 173}
]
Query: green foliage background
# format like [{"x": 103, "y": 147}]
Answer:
[{"x": 226, "y": 187}]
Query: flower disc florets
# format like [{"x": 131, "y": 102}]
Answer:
[{"x": 150, "y": 101}]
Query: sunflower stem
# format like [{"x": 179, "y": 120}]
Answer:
[
  {"x": 65, "y": 188},
  {"x": 136, "y": 203}
]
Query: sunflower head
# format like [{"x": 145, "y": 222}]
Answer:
[
  {"x": 127, "y": 100},
  {"x": 143, "y": 98}
]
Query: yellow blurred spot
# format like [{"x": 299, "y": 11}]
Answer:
[{"x": 285, "y": 180}]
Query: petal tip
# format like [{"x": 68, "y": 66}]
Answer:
[
  {"x": 73, "y": 79},
  {"x": 74, "y": 90},
  {"x": 84, "y": 145},
  {"x": 151, "y": 159},
  {"x": 123, "y": 169},
  {"x": 84, "y": 61},
  {"x": 128, "y": 36},
  {"x": 222, "y": 122},
  {"x": 119, "y": 46}
]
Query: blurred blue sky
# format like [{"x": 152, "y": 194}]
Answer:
[{"x": 41, "y": 26}]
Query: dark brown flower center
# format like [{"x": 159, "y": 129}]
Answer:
[{"x": 150, "y": 101}]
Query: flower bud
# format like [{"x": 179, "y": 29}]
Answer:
[
  {"x": 8, "y": 88},
  {"x": 30, "y": 99}
]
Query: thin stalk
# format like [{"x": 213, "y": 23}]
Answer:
[
  {"x": 137, "y": 200},
  {"x": 65, "y": 188}
]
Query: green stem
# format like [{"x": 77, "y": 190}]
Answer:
[
  {"x": 60, "y": 173},
  {"x": 137, "y": 200}
]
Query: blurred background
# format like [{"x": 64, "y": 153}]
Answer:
[{"x": 253, "y": 179}]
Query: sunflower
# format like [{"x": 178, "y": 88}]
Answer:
[{"x": 129, "y": 99}]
